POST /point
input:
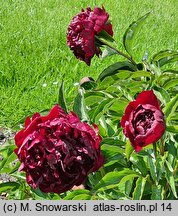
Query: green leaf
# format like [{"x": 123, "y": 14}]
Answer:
[
  {"x": 160, "y": 168},
  {"x": 79, "y": 106},
  {"x": 8, "y": 167},
  {"x": 170, "y": 107},
  {"x": 164, "y": 95},
  {"x": 128, "y": 149},
  {"x": 4, "y": 187},
  {"x": 82, "y": 197},
  {"x": 61, "y": 98},
  {"x": 112, "y": 179},
  {"x": 128, "y": 186},
  {"x": 139, "y": 189},
  {"x": 172, "y": 128},
  {"x": 167, "y": 60},
  {"x": 114, "y": 69},
  {"x": 112, "y": 149},
  {"x": 131, "y": 32},
  {"x": 113, "y": 153},
  {"x": 138, "y": 74},
  {"x": 119, "y": 105},
  {"x": 104, "y": 125},
  {"x": 39, "y": 194},
  {"x": 8, "y": 155},
  {"x": 75, "y": 193},
  {"x": 172, "y": 156},
  {"x": 156, "y": 192},
  {"x": 104, "y": 35},
  {"x": 19, "y": 175},
  {"x": 112, "y": 141},
  {"x": 93, "y": 98},
  {"x": 54, "y": 196},
  {"x": 139, "y": 163},
  {"x": 170, "y": 72},
  {"x": 171, "y": 181},
  {"x": 162, "y": 55},
  {"x": 170, "y": 83},
  {"x": 95, "y": 177},
  {"x": 88, "y": 83},
  {"x": 169, "y": 166},
  {"x": 122, "y": 75},
  {"x": 152, "y": 167},
  {"x": 126, "y": 92},
  {"x": 107, "y": 52},
  {"x": 101, "y": 108}
]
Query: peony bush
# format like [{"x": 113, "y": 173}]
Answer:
[{"x": 120, "y": 141}]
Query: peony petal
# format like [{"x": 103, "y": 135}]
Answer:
[
  {"x": 22, "y": 166},
  {"x": 27, "y": 121},
  {"x": 19, "y": 138},
  {"x": 99, "y": 17},
  {"x": 129, "y": 109},
  {"x": 129, "y": 134},
  {"x": 157, "y": 132},
  {"x": 56, "y": 112},
  {"x": 148, "y": 97},
  {"x": 138, "y": 147},
  {"x": 36, "y": 115},
  {"x": 108, "y": 29}
]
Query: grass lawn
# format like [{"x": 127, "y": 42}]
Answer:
[{"x": 34, "y": 57}]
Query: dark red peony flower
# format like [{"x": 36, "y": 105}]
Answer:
[
  {"x": 58, "y": 151},
  {"x": 143, "y": 121},
  {"x": 82, "y": 30}
]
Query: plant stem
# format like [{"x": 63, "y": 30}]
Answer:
[
  {"x": 175, "y": 170},
  {"x": 155, "y": 150},
  {"x": 165, "y": 190},
  {"x": 124, "y": 55},
  {"x": 119, "y": 52},
  {"x": 162, "y": 147}
]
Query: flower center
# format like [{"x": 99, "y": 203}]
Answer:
[{"x": 143, "y": 120}]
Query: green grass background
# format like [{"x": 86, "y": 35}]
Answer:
[{"x": 33, "y": 49}]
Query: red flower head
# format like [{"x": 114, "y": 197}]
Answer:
[
  {"x": 143, "y": 121},
  {"x": 82, "y": 30},
  {"x": 58, "y": 151}
]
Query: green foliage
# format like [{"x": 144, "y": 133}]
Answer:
[
  {"x": 164, "y": 57},
  {"x": 139, "y": 189},
  {"x": 78, "y": 194},
  {"x": 8, "y": 163},
  {"x": 79, "y": 106},
  {"x": 131, "y": 33},
  {"x": 115, "y": 68},
  {"x": 8, "y": 186},
  {"x": 61, "y": 99}
]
